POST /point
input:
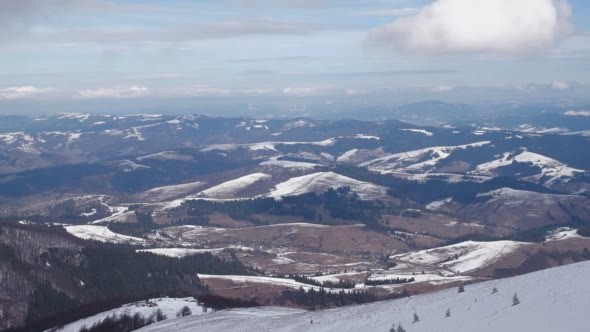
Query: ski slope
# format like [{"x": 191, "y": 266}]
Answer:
[{"x": 551, "y": 300}]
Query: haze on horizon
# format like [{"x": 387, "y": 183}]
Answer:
[{"x": 156, "y": 55}]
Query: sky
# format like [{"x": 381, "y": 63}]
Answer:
[{"x": 164, "y": 55}]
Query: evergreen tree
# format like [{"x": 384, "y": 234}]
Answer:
[
  {"x": 461, "y": 288},
  {"x": 448, "y": 314},
  {"x": 185, "y": 311},
  {"x": 400, "y": 328},
  {"x": 160, "y": 315},
  {"x": 494, "y": 290},
  {"x": 392, "y": 329},
  {"x": 515, "y": 300},
  {"x": 416, "y": 318}
]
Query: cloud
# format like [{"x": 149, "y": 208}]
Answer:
[
  {"x": 478, "y": 26},
  {"x": 116, "y": 93},
  {"x": 308, "y": 91},
  {"x": 19, "y": 92},
  {"x": 180, "y": 32},
  {"x": 17, "y": 17},
  {"x": 577, "y": 113},
  {"x": 442, "y": 88},
  {"x": 210, "y": 91},
  {"x": 390, "y": 12},
  {"x": 560, "y": 85},
  {"x": 356, "y": 92}
]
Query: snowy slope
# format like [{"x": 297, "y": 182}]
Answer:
[
  {"x": 264, "y": 145},
  {"x": 551, "y": 170},
  {"x": 275, "y": 161},
  {"x": 169, "y": 192},
  {"x": 322, "y": 181},
  {"x": 517, "y": 198},
  {"x": 283, "y": 282},
  {"x": 169, "y": 307},
  {"x": 550, "y": 300},
  {"x": 419, "y": 131},
  {"x": 230, "y": 188},
  {"x": 469, "y": 255},
  {"x": 417, "y": 160},
  {"x": 179, "y": 252},
  {"x": 100, "y": 233}
]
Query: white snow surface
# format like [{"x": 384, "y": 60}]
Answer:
[
  {"x": 282, "y": 282},
  {"x": 179, "y": 252},
  {"x": 363, "y": 136},
  {"x": 169, "y": 307},
  {"x": 170, "y": 192},
  {"x": 550, "y": 300},
  {"x": 347, "y": 156},
  {"x": 417, "y": 160},
  {"x": 419, "y": 131},
  {"x": 264, "y": 145},
  {"x": 471, "y": 255},
  {"x": 100, "y": 233},
  {"x": 515, "y": 198},
  {"x": 230, "y": 188},
  {"x": 322, "y": 181},
  {"x": 275, "y": 161},
  {"x": 562, "y": 233},
  {"x": 552, "y": 170}
]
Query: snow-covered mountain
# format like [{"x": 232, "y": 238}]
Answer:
[
  {"x": 549, "y": 300},
  {"x": 322, "y": 181},
  {"x": 421, "y": 160},
  {"x": 549, "y": 171}
]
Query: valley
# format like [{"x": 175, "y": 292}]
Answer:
[{"x": 343, "y": 211}]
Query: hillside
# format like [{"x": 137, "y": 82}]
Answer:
[{"x": 550, "y": 300}]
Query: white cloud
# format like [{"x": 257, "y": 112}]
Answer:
[
  {"x": 443, "y": 88},
  {"x": 577, "y": 113},
  {"x": 390, "y": 12},
  {"x": 117, "y": 92},
  {"x": 308, "y": 91},
  {"x": 210, "y": 91},
  {"x": 478, "y": 26},
  {"x": 356, "y": 92},
  {"x": 18, "y": 92},
  {"x": 560, "y": 85}
]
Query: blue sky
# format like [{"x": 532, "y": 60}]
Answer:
[{"x": 71, "y": 55}]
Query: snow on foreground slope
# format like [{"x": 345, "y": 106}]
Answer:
[
  {"x": 169, "y": 307},
  {"x": 551, "y": 300},
  {"x": 322, "y": 181}
]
